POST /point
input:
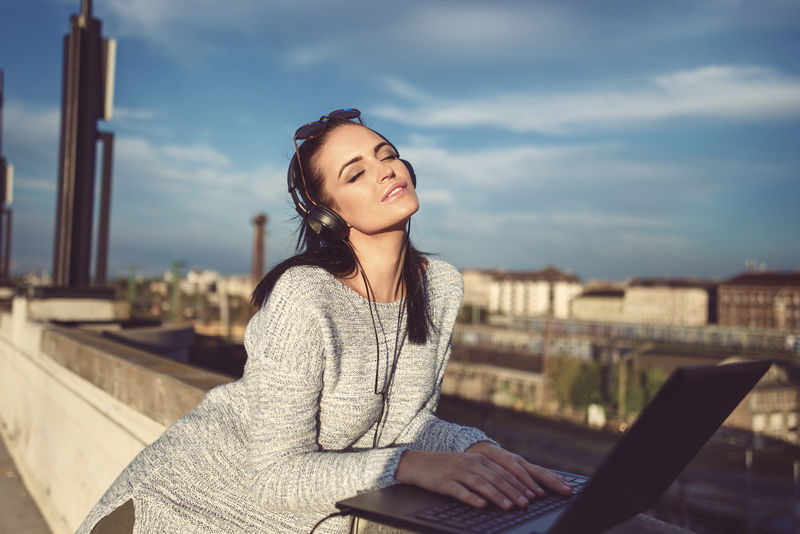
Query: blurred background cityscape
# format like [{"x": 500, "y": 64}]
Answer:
[{"x": 618, "y": 184}]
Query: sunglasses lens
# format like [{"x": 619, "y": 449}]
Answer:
[
  {"x": 345, "y": 114},
  {"x": 312, "y": 129}
]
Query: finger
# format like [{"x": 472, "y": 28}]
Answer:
[
  {"x": 552, "y": 480},
  {"x": 521, "y": 480},
  {"x": 490, "y": 490},
  {"x": 463, "y": 494},
  {"x": 513, "y": 465},
  {"x": 492, "y": 482},
  {"x": 531, "y": 488}
]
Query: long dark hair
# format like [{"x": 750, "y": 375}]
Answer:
[{"x": 335, "y": 254}]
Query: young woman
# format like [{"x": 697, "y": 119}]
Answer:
[{"x": 346, "y": 357}]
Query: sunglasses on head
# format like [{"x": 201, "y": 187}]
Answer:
[{"x": 315, "y": 129}]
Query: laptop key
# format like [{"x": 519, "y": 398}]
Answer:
[{"x": 466, "y": 518}]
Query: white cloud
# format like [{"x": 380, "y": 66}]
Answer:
[
  {"x": 482, "y": 29},
  {"x": 533, "y": 167},
  {"x": 361, "y": 33},
  {"x": 135, "y": 114},
  {"x": 201, "y": 154},
  {"x": 568, "y": 202},
  {"x": 721, "y": 92},
  {"x": 194, "y": 169},
  {"x": 31, "y": 129},
  {"x": 33, "y": 184},
  {"x": 437, "y": 196}
]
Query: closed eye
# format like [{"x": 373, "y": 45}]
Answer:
[{"x": 355, "y": 177}]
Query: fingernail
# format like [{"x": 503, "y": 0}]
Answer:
[
  {"x": 522, "y": 501},
  {"x": 530, "y": 494},
  {"x": 507, "y": 503}
]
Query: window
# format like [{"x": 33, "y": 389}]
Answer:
[
  {"x": 775, "y": 423},
  {"x": 759, "y": 422},
  {"x": 791, "y": 421}
]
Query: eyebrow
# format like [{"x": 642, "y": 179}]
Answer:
[{"x": 359, "y": 158}]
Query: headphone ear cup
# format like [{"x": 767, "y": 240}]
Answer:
[
  {"x": 410, "y": 171},
  {"x": 322, "y": 218}
]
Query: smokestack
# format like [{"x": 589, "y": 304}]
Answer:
[
  {"x": 6, "y": 194},
  {"x": 257, "y": 270}
]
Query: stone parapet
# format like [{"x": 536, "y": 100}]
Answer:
[{"x": 76, "y": 407}]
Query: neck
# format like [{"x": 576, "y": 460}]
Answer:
[{"x": 381, "y": 257}]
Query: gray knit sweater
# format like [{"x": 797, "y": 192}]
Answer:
[{"x": 273, "y": 451}]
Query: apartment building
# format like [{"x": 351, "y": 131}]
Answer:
[
  {"x": 669, "y": 301},
  {"x": 772, "y": 408},
  {"x": 527, "y": 294},
  {"x": 598, "y": 304},
  {"x": 760, "y": 300}
]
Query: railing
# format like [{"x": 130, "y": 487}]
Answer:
[{"x": 533, "y": 329}]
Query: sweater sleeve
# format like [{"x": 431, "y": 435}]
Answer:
[
  {"x": 428, "y": 432},
  {"x": 286, "y": 468}
]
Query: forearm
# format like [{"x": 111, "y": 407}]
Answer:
[
  {"x": 428, "y": 432},
  {"x": 314, "y": 481}
]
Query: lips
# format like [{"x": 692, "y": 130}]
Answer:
[{"x": 394, "y": 191}]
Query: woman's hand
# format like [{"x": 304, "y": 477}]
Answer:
[
  {"x": 533, "y": 476},
  {"x": 483, "y": 473}
]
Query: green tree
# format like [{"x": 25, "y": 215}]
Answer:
[
  {"x": 653, "y": 379},
  {"x": 587, "y": 388},
  {"x": 563, "y": 371}
]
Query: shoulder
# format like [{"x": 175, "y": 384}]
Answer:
[
  {"x": 293, "y": 307},
  {"x": 301, "y": 282},
  {"x": 443, "y": 279}
]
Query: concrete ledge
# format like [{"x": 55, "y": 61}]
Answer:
[
  {"x": 156, "y": 387},
  {"x": 76, "y": 310},
  {"x": 7, "y": 292},
  {"x": 76, "y": 407}
]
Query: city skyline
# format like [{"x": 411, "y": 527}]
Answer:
[{"x": 614, "y": 141}]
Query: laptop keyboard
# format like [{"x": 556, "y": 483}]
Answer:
[{"x": 465, "y": 518}]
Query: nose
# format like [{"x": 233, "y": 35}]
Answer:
[{"x": 385, "y": 171}]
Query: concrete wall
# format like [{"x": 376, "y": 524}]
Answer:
[{"x": 76, "y": 407}]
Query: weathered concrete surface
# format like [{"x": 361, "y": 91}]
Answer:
[
  {"x": 74, "y": 309},
  {"x": 18, "y": 512},
  {"x": 158, "y": 388},
  {"x": 75, "y": 408}
]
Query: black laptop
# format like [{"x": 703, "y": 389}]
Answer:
[{"x": 687, "y": 410}]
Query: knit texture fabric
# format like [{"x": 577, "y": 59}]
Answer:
[{"x": 273, "y": 451}]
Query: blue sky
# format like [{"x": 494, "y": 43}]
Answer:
[{"x": 610, "y": 138}]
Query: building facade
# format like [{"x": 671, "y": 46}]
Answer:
[
  {"x": 678, "y": 302},
  {"x": 760, "y": 300},
  {"x": 525, "y": 294},
  {"x": 598, "y": 305},
  {"x": 772, "y": 408}
]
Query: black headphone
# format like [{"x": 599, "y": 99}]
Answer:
[{"x": 317, "y": 216}]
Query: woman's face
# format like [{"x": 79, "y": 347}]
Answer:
[{"x": 364, "y": 180}]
